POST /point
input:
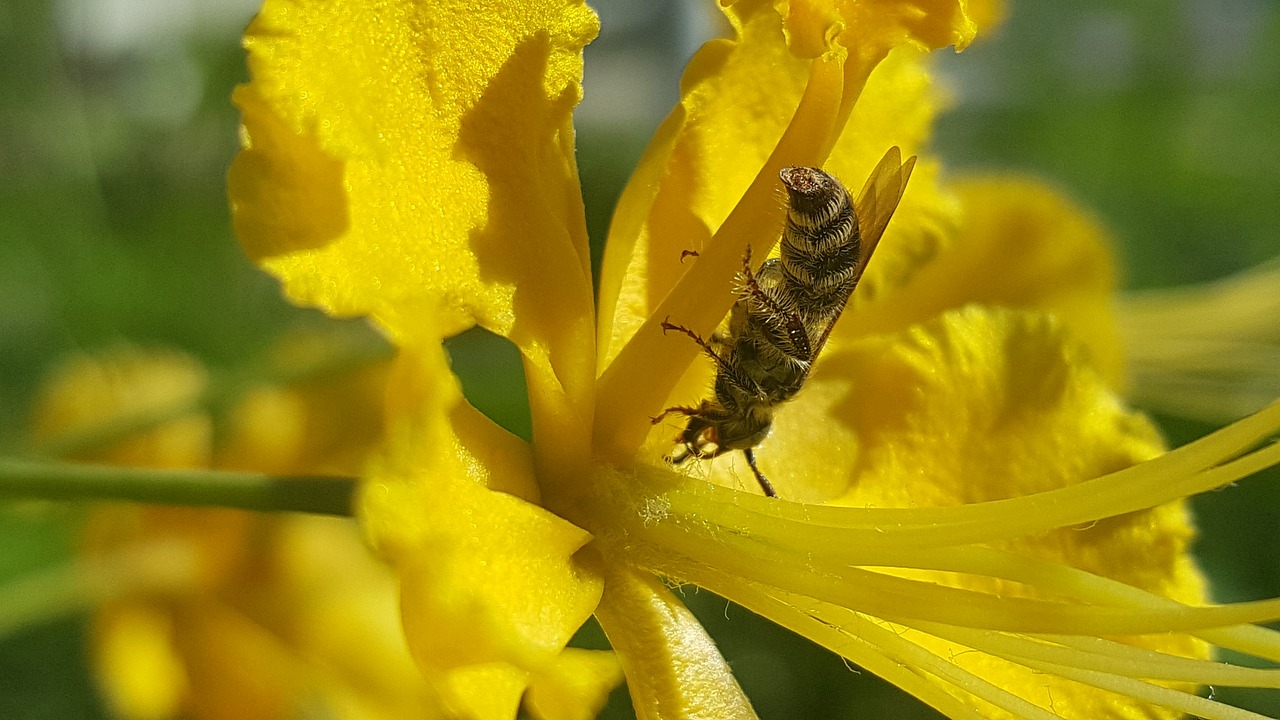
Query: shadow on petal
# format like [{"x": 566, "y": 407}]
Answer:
[
  {"x": 519, "y": 135},
  {"x": 286, "y": 192}
]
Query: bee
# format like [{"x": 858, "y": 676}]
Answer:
[{"x": 786, "y": 309}]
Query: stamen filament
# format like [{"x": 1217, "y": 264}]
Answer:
[
  {"x": 1139, "y": 663},
  {"x": 1171, "y": 476},
  {"x": 1147, "y": 692},
  {"x": 845, "y": 632},
  {"x": 687, "y": 557}
]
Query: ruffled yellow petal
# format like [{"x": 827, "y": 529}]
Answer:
[
  {"x": 813, "y": 25},
  {"x": 673, "y": 668},
  {"x": 487, "y": 576},
  {"x": 434, "y": 434},
  {"x": 493, "y": 581},
  {"x": 574, "y": 687},
  {"x": 1020, "y": 245},
  {"x": 978, "y": 393},
  {"x": 947, "y": 393},
  {"x": 414, "y": 161}
]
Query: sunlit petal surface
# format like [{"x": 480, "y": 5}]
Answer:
[{"x": 411, "y": 161}]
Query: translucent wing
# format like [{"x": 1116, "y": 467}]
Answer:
[
  {"x": 873, "y": 208},
  {"x": 879, "y": 198}
]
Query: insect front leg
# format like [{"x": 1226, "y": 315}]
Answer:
[
  {"x": 682, "y": 410},
  {"x": 706, "y": 346},
  {"x": 752, "y": 289}
]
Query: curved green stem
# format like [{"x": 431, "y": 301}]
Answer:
[{"x": 321, "y": 494}]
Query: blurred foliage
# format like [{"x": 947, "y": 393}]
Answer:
[{"x": 1161, "y": 115}]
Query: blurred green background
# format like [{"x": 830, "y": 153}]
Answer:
[{"x": 116, "y": 132}]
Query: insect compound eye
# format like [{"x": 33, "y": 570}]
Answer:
[
  {"x": 708, "y": 442},
  {"x": 678, "y": 454}
]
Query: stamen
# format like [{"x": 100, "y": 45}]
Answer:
[
  {"x": 1171, "y": 476},
  {"x": 905, "y": 600}
]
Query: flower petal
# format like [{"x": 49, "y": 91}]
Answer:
[
  {"x": 327, "y": 425},
  {"x": 981, "y": 405},
  {"x": 139, "y": 673},
  {"x": 738, "y": 96},
  {"x": 87, "y": 396},
  {"x": 715, "y": 160},
  {"x": 411, "y": 160},
  {"x": 243, "y": 669},
  {"x": 1021, "y": 245},
  {"x": 812, "y": 25},
  {"x": 575, "y": 686},
  {"x": 484, "y": 692},
  {"x": 487, "y": 576},
  {"x": 1209, "y": 351},
  {"x": 494, "y": 581},
  {"x": 977, "y": 392},
  {"x": 673, "y": 668}
]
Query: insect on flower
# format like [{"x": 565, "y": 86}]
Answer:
[{"x": 786, "y": 310}]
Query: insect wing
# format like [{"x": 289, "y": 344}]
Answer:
[
  {"x": 879, "y": 199},
  {"x": 874, "y": 207}
]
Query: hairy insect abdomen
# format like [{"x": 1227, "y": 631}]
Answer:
[{"x": 821, "y": 249}]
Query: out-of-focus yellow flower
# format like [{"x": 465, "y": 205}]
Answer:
[
  {"x": 966, "y": 508},
  {"x": 274, "y": 616},
  {"x": 275, "y": 609}
]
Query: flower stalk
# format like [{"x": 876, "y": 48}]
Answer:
[{"x": 46, "y": 480}]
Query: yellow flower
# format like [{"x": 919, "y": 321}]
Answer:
[{"x": 967, "y": 509}]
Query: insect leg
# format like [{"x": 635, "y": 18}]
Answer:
[
  {"x": 758, "y": 294},
  {"x": 706, "y": 347},
  {"x": 760, "y": 478},
  {"x": 677, "y": 410}
]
